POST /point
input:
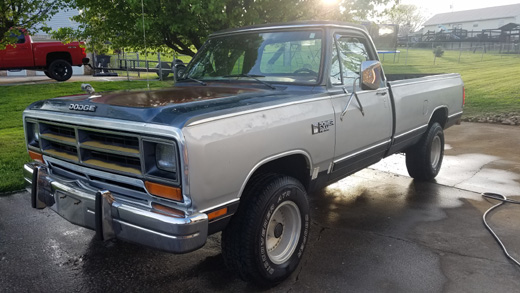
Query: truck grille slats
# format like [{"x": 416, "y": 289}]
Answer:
[{"x": 98, "y": 148}]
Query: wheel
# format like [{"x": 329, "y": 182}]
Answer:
[
  {"x": 265, "y": 239},
  {"x": 305, "y": 71},
  {"x": 166, "y": 69},
  {"x": 60, "y": 70},
  {"x": 47, "y": 74},
  {"x": 424, "y": 160}
]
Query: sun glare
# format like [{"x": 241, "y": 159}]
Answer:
[{"x": 329, "y": 2}]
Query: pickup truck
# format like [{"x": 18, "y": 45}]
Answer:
[
  {"x": 261, "y": 117},
  {"x": 55, "y": 59}
]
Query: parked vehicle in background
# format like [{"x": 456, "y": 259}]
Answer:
[
  {"x": 55, "y": 59},
  {"x": 260, "y": 117}
]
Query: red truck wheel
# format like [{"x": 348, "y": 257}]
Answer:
[{"x": 60, "y": 70}]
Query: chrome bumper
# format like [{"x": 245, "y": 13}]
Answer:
[{"x": 100, "y": 211}]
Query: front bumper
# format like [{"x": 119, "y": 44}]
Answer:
[{"x": 99, "y": 210}]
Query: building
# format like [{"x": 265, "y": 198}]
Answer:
[{"x": 475, "y": 19}]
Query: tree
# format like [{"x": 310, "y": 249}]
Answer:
[
  {"x": 183, "y": 25},
  {"x": 408, "y": 17},
  {"x": 30, "y": 15}
]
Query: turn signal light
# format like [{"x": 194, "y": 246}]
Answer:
[
  {"x": 217, "y": 214},
  {"x": 36, "y": 156},
  {"x": 167, "y": 211},
  {"x": 164, "y": 190}
]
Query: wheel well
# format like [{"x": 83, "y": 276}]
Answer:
[
  {"x": 295, "y": 166},
  {"x": 440, "y": 116},
  {"x": 58, "y": 55}
]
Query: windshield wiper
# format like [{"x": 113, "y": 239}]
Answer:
[
  {"x": 253, "y": 76},
  {"x": 193, "y": 79}
]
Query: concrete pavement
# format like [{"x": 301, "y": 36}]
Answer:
[{"x": 375, "y": 231}]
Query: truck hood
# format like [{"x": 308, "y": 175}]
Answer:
[{"x": 174, "y": 106}]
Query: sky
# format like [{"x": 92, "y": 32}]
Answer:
[{"x": 432, "y": 7}]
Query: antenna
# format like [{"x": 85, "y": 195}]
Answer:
[{"x": 145, "y": 49}]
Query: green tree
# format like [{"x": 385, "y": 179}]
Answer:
[
  {"x": 183, "y": 25},
  {"x": 30, "y": 15},
  {"x": 408, "y": 17}
]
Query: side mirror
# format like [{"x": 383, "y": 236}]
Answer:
[{"x": 371, "y": 75}]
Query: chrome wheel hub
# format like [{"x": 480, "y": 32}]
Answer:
[{"x": 283, "y": 232}]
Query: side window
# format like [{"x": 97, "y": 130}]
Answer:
[
  {"x": 352, "y": 51},
  {"x": 21, "y": 39}
]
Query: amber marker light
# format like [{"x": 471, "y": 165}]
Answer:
[
  {"x": 217, "y": 214},
  {"x": 164, "y": 190},
  {"x": 167, "y": 211},
  {"x": 36, "y": 156}
]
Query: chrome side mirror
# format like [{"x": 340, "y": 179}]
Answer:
[{"x": 371, "y": 75}]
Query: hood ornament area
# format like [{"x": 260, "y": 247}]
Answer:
[{"x": 87, "y": 88}]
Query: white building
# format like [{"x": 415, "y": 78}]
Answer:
[{"x": 475, "y": 19}]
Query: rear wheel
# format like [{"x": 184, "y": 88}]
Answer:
[
  {"x": 60, "y": 70},
  {"x": 47, "y": 74},
  {"x": 265, "y": 239},
  {"x": 424, "y": 160}
]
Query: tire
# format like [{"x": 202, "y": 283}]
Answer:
[
  {"x": 265, "y": 239},
  {"x": 47, "y": 74},
  {"x": 60, "y": 70},
  {"x": 166, "y": 69},
  {"x": 424, "y": 160}
]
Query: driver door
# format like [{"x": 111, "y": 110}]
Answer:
[{"x": 363, "y": 129}]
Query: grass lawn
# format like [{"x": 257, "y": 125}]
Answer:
[
  {"x": 14, "y": 99},
  {"x": 491, "y": 84}
]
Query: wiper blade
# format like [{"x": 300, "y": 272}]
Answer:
[
  {"x": 253, "y": 76},
  {"x": 196, "y": 80}
]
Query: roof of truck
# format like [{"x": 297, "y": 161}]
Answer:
[{"x": 296, "y": 24}]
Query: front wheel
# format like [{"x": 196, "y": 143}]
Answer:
[
  {"x": 265, "y": 239},
  {"x": 424, "y": 160}
]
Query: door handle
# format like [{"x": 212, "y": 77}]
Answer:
[{"x": 382, "y": 93}]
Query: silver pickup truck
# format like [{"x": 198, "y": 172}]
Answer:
[{"x": 258, "y": 119}]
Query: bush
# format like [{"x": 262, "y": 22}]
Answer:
[{"x": 438, "y": 52}]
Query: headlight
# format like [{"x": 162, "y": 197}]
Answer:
[
  {"x": 36, "y": 131},
  {"x": 165, "y": 157},
  {"x": 33, "y": 134}
]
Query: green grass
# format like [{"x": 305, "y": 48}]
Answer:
[
  {"x": 14, "y": 99},
  {"x": 491, "y": 80}
]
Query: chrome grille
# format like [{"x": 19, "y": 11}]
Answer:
[{"x": 106, "y": 150}]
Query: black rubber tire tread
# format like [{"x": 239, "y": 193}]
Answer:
[
  {"x": 166, "y": 69},
  {"x": 418, "y": 157},
  {"x": 238, "y": 239},
  {"x": 56, "y": 63},
  {"x": 47, "y": 74}
]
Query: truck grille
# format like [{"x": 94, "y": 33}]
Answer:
[{"x": 106, "y": 150}]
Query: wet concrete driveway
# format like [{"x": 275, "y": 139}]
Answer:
[{"x": 375, "y": 231}]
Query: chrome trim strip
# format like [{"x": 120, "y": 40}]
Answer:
[
  {"x": 423, "y": 80},
  {"x": 224, "y": 116},
  {"x": 458, "y": 113},
  {"x": 93, "y": 172},
  {"x": 272, "y": 158},
  {"x": 361, "y": 151},
  {"x": 410, "y": 131},
  {"x": 107, "y": 123},
  {"x": 220, "y": 205},
  {"x": 123, "y": 223},
  {"x": 278, "y": 27}
]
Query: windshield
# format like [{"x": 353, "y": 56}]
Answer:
[{"x": 292, "y": 56}]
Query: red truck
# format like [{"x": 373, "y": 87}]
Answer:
[{"x": 55, "y": 59}]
